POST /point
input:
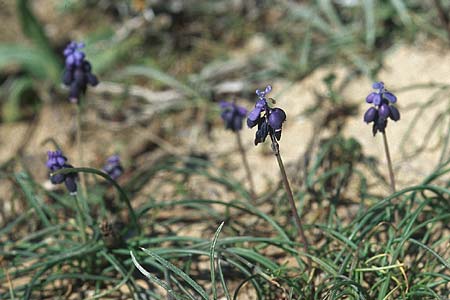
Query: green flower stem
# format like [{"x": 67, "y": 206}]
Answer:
[
  {"x": 388, "y": 157},
  {"x": 287, "y": 187},
  {"x": 246, "y": 165},
  {"x": 391, "y": 174},
  {"x": 80, "y": 148},
  {"x": 80, "y": 217}
]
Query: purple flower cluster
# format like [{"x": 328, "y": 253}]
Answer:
[
  {"x": 269, "y": 120},
  {"x": 78, "y": 71},
  {"x": 113, "y": 167},
  {"x": 57, "y": 161},
  {"x": 382, "y": 109},
  {"x": 233, "y": 115}
]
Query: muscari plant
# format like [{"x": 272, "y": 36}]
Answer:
[
  {"x": 233, "y": 117},
  {"x": 270, "y": 122},
  {"x": 78, "y": 71},
  {"x": 77, "y": 76},
  {"x": 378, "y": 114}
]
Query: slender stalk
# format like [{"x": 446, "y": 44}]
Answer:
[
  {"x": 246, "y": 165},
  {"x": 391, "y": 175},
  {"x": 80, "y": 218},
  {"x": 287, "y": 187},
  {"x": 79, "y": 201},
  {"x": 388, "y": 157},
  {"x": 80, "y": 149}
]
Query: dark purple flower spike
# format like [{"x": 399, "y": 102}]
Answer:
[
  {"x": 233, "y": 115},
  {"x": 78, "y": 71},
  {"x": 57, "y": 161},
  {"x": 113, "y": 167},
  {"x": 382, "y": 109},
  {"x": 269, "y": 120}
]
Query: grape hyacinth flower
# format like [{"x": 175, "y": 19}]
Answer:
[
  {"x": 57, "y": 161},
  {"x": 382, "y": 109},
  {"x": 78, "y": 71},
  {"x": 379, "y": 114},
  {"x": 233, "y": 115},
  {"x": 113, "y": 167},
  {"x": 269, "y": 120}
]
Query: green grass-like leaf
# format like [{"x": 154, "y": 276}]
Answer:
[{"x": 212, "y": 260}]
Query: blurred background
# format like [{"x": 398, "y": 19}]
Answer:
[{"x": 164, "y": 66}]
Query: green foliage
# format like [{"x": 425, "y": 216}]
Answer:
[
  {"x": 363, "y": 259},
  {"x": 34, "y": 30}
]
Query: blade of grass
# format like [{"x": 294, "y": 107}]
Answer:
[
  {"x": 24, "y": 182},
  {"x": 155, "y": 279},
  {"x": 212, "y": 260},
  {"x": 402, "y": 10},
  {"x": 178, "y": 272},
  {"x": 369, "y": 13}
]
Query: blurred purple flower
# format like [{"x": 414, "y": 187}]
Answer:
[
  {"x": 78, "y": 71},
  {"x": 382, "y": 109},
  {"x": 113, "y": 167},
  {"x": 57, "y": 161},
  {"x": 233, "y": 115},
  {"x": 269, "y": 120}
]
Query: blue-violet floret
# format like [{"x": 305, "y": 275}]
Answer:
[
  {"x": 233, "y": 115},
  {"x": 57, "y": 161},
  {"x": 78, "y": 71},
  {"x": 382, "y": 109}
]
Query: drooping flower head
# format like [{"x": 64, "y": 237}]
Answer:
[
  {"x": 382, "y": 108},
  {"x": 77, "y": 72},
  {"x": 113, "y": 167},
  {"x": 269, "y": 120},
  {"x": 233, "y": 115},
  {"x": 57, "y": 161}
]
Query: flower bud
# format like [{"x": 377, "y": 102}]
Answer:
[
  {"x": 390, "y": 97},
  {"x": 370, "y": 97},
  {"x": 378, "y": 85},
  {"x": 370, "y": 115},
  {"x": 394, "y": 114},
  {"x": 262, "y": 132},
  {"x": 276, "y": 118},
  {"x": 113, "y": 167},
  {"x": 71, "y": 184},
  {"x": 383, "y": 111}
]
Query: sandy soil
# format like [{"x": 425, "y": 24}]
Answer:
[{"x": 404, "y": 66}]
